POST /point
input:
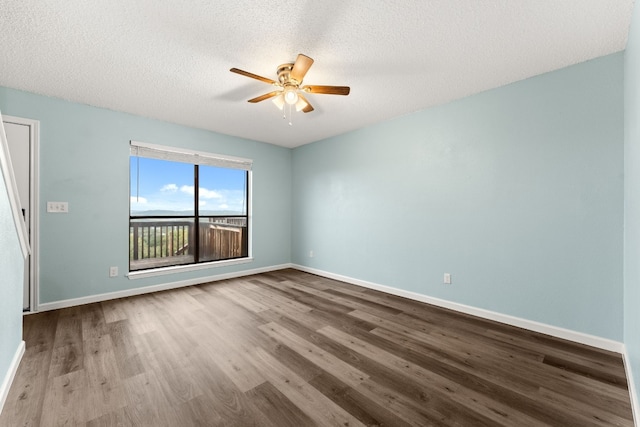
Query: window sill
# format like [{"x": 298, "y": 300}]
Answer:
[{"x": 132, "y": 275}]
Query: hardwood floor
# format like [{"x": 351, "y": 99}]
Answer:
[{"x": 293, "y": 349}]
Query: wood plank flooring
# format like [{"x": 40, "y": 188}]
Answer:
[{"x": 292, "y": 349}]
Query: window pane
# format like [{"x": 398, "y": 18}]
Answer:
[
  {"x": 160, "y": 242},
  {"x": 223, "y": 238},
  {"x": 164, "y": 228},
  {"x": 222, "y": 191},
  {"x": 161, "y": 188}
]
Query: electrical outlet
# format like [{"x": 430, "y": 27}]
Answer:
[
  {"x": 447, "y": 278},
  {"x": 311, "y": 254},
  {"x": 113, "y": 271}
]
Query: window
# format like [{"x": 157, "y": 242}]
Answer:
[{"x": 186, "y": 207}]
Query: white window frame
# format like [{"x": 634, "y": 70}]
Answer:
[{"x": 184, "y": 155}]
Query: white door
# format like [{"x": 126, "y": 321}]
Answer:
[{"x": 20, "y": 138}]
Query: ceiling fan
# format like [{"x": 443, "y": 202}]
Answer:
[{"x": 289, "y": 83}]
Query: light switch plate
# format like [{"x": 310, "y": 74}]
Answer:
[{"x": 58, "y": 207}]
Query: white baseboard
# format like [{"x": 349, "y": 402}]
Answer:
[
  {"x": 635, "y": 405},
  {"x": 155, "y": 288},
  {"x": 555, "y": 331},
  {"x": 567, "y": 334},
  {"x": 8, "y": 379}
]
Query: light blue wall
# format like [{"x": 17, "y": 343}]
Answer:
[
  {"x": 84, "y": 160},
  {"x": 632, "y": 198},
  {"x": 517, "y": 192},
  {"x": 11, "y": 276}
]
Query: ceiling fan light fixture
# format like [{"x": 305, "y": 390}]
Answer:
[
  {"x": 279, "y": 101},
  {"x": 290, "y": 95},
  {"x": 301, "y": 104}
]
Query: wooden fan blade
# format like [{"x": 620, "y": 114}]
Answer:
[
  {"x": 253, "y": 76},
  {"x": 308, "y": 108},
  {"x": 300, "y": 67},
  {"x": 265, "y": 96},
  {"x": 328, "y": 90}
]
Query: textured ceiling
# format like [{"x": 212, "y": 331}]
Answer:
[{"x": 170, "y": 60}]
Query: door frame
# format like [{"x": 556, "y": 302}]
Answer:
[{"x": 34, "y": 201}]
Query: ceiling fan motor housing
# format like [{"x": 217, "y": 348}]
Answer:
[{"x": 284, "y": 75}]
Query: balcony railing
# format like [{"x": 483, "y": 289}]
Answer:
[{"x": 161, "y": 242}]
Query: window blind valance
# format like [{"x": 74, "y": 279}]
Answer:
[{"x": 183, "y": 155}]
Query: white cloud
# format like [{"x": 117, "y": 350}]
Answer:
[
  {"x": 223, "y": 206},
  {"x": 209, "y": 194},
  {"x": 189, "y": 189},
  {"x": 170, "y": 187},
  {"x": 137, "y": 200},
  {"x": 204, "y": 193},
  {"x": 202, "y": 203}
]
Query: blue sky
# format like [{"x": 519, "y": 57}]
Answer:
[{"x": 164, "y": 185}]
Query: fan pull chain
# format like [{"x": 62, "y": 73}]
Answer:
[{"x": 290, "y": 116}]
